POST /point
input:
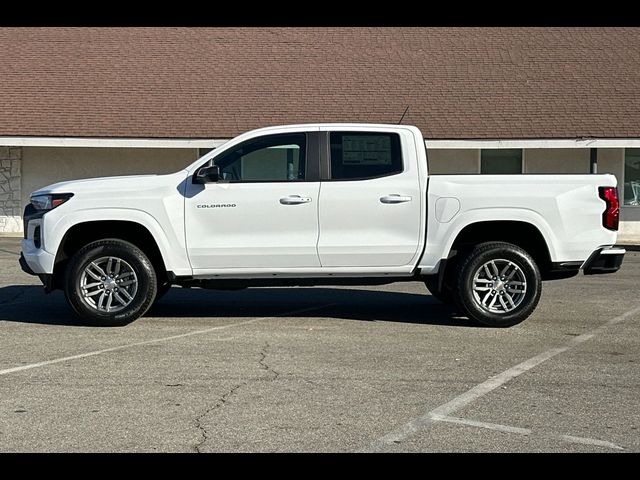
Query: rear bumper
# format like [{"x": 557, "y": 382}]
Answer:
[{"x": 604, "y": 260}]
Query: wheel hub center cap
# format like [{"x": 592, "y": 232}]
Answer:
[
  {"x": 109, "y": 284},
  {"x": 498, "y": 285}
]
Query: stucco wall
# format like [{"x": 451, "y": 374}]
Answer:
[
  {"x": 556, "y": 160},
  {"x": 536, "y": 160},
  {"x": 611, "y": 160},
  {"x": 451, "y": 161},
  {"x": 42, "y": 166}
]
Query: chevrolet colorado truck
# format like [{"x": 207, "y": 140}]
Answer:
[{"x": 319, "y": 204}]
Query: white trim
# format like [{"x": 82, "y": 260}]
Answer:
[
  {"x": 110, "y": 142},
  {"x": 537, "y": 143}
]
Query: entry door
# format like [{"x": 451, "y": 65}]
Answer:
[
  {"x": 263, "y": 213},
  {"x": 370, "y": 206}
]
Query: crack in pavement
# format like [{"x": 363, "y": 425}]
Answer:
[
  {"x": 225, "y": 397},
  {"x": 264, "y": 365},
  {"x": 221, "y": 401}
]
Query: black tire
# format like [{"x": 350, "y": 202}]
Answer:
[
  {"x": 473, "y": 261},
  {"x": 140, "y": 264}
]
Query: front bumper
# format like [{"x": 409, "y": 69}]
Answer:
[
  {"x": 25, "y": 266},
  {"x": 604, "y": 260},
  {"x": 45, "y": 278},
  {"x": 38, "y": 260}
]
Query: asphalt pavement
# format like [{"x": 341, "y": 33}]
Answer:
[{"x": 321, "y": 369}]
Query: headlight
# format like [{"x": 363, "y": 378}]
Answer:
[{"x": 49, "y": 202}]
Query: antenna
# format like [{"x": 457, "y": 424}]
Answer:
[{"x": 402, "y": 117}]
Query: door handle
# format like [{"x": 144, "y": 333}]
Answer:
[
  {"x": 294, "y": 200},
  {"x": 395, "y": 198}
]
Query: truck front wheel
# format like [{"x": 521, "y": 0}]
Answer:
[
  {"x": 110, "y": 283},
  {"x": 498, "y": 284}
]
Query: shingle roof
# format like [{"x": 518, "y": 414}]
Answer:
[{"x": 218, "y": 82}]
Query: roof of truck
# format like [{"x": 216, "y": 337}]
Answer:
[{"x": 453, "y": 83}]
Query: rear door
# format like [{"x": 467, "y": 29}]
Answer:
[{"x": 370, "y": 206}]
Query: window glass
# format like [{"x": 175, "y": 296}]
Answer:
[
  {"x": 274, "y": 158},
  {"x": 364, "y": 155},
  {"x": 632, "y": 176},
  {"x": 501, "y": 160}
]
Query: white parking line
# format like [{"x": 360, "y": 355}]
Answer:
[
  {"x": 155, "y": 340},
  {"x": 589, "y": 441},
  {"x": 483, "y": 388},
  {"x": 490, "y": 426},
  {"x": 527, "y": 431}
]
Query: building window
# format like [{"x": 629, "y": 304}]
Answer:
[
  {"x": 501, "y": 160},
  {"x": 203, "y": 151},
  {"x": 632, "y": 176}
]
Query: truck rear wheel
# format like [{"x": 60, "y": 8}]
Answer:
[
  {"x": 498, "y": 284},
  {"x": 110, "y": 283}
]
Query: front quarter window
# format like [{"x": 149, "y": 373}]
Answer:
[{"x": 273, "y": 158}]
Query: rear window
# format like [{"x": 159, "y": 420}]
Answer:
[{"x": 362, "y": 155}]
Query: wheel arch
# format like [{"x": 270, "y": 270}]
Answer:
[
  {"x": 521, "y": 233},
  {"x": 83, "y": 233}
]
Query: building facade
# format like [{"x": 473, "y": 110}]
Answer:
[{"x": 87, "y": 102}]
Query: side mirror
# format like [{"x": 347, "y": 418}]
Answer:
[{"x": 209, "y": 174}]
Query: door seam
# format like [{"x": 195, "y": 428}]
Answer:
[{"x": 318, "y": 222}]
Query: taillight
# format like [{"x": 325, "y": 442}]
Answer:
[{"x": 611, "y": 216}]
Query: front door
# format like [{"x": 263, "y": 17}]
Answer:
[{"x": 263, "y": 213}]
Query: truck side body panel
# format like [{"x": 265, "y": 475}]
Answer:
[
  {"x": 155, "y": 201},
  {"x": 566, "y": 209}
]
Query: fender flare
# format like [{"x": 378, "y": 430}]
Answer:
[
  {"x": 431, "y": 261},
  {"x": 139, "y": 217}
]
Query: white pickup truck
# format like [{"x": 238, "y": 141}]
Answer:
[{"x": 319, "y": 204}]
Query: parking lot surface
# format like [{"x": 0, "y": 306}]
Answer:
[{"x": 335, "y": 369}]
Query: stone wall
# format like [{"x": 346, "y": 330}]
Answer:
[{"x": 10, "y": 208}]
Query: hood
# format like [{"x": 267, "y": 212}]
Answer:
[{"x": 108, "y": 184}]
